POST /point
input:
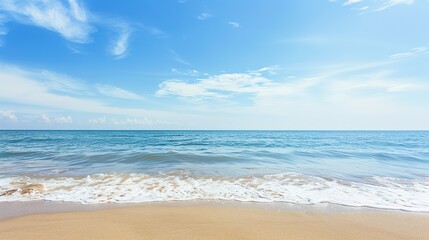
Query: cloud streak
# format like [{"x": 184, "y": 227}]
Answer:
[
  {"x": 412, "y": 52},
  {"x": 350, "y": 2},
  {"x": 234, "y": 24},
  {"x": 391, "y": 3},
  {"x": 178, "y": 58},
  {"x": 116, "y": 92},
  {"x": 375, "y": 6}
]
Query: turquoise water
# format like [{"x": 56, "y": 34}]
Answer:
[{"x": 382, "y": 169}]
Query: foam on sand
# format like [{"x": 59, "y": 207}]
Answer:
[{"x": 377, "y": 192}]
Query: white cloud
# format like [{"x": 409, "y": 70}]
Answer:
[
  {"x": 253, "y": 82},
  {"x": 350, "y": 2},
  {"x": 98, "y": 121},
  {"x": 69, "y": 20},
  {"x": 363, "y": 8},
  {"x": 354, "y": 79},
  {"x": 215, "y": 86},
  {"x": 410, "y": 53},
  {"x": 116, "y": 92},
  {"x": 270, "y": 69},
  {"x": 119, "y": 46},
  {"x": 26, "y": 87},
  {"x": 234, "y": 24},
  {"x": 377, "y": 5},
  {"x": 8, "y": 115},
  {"x": 391, "y": 3},
  {"x": 48, "y": 120},
  {"x": 189, "y": 72},
  {"x": 64, "y": 120},
  {"x": 144, "y": 121},
  {"x": 204, "y": 16},
  {"x": 45, "y": 118},
  {"x": 78, "y": 11},
  {"x": 133, "y": 122}
]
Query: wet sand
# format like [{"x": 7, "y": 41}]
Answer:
[{"x": 215, "y": 222}]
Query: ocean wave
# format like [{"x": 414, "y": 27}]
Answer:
[{"x": 376, "y": 192}]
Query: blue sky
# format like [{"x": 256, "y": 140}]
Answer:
[{"x": 187, "y": 64}]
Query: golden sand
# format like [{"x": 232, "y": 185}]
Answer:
[{"x": 203, "y": 222}]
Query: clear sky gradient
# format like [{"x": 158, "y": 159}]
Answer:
[{"x": 188, "y": 64}]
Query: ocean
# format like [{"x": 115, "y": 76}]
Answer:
[{"x": 377, "y": 169}]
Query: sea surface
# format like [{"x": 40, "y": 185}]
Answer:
[{"x": 379, "y": 169}]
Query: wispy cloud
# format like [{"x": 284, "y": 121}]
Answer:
[
  {"x": 78, "y": 10},
  {"x": 24, "y": 89},
  {"x": 3, "y": 30},
  {"x": 364, "y": 8},
  {"x": 133, "y": 122},
  {"x": 377, "y": 5},
  {"x": 234, "y": 24},
  {"x": 119, "y": 46},
  {"x": 69, "y": 20},
  {"x": 45, "y": 118},
  {"x": 116, "y": 92},
  {"x": 350, "y": 2},
  {"x": 98, "y": 121},
  {"x": 59, "y": 82},
  {"x": 270, "y": 69},
  {"x": 391, "y": 3},
  {"x": 64, "y": 120},
  {"x": 178, "y": 58},
  {"x": 204, "y": 16},
  {"x": 215, "y": 86},
  {"x": 29, "y": 87},
  {"x": 257, "y": 83},
  {"x": 342, "y": 96},
  {"x": 126, "y": 122},
  {"x": 155, "y": 31},
  {"x": 412, "y": 52},
  {"x": 6, "y": 114},
  {"x": 189, "y": 72}
]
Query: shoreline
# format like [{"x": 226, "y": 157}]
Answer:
[
  {"x": 209, "y": 220},
  {"x": 14, "y": 209}
]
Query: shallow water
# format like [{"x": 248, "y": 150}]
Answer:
[{"x": 381, "y": 169}]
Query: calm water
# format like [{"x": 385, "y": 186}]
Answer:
[{"x": 382, "y": 169}]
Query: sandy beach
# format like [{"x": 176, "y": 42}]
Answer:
[{"x": 215, "y": 222}]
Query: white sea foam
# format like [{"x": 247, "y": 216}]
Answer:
[{"x": 379, "y": 192}]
